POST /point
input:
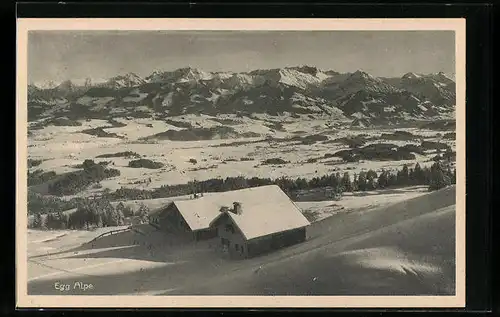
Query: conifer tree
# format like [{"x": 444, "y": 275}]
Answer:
[
  {"x": 39, "y": 221},
  {"x": 346, "y": 182},
  {"x": 143, "y": 213},
  {"x": 383, "y": 180},
  {"x": 370, "y": 180},
  {"x": 418, "y": 175},
  {"x": 362, "y": 181},
  {"x": 403, "y": 176},
  {"x": 371, "y": 174},
  {"x": 392, "y": 179},
  {"x": 355, "y": 186},
  {"x": 438, "y": 179},
  {"x": 334, "y": 182}
]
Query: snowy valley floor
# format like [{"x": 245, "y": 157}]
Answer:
[{"x": 60, "y": 149}]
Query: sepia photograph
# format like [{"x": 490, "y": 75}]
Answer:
[{"x": 318, "y": 164}]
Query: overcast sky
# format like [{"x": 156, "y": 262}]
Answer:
[{"x": 61, "y": 55}]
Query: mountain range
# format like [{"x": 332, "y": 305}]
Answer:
[{"x": 294, "y": 91}]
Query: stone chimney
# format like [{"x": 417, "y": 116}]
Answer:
[{"x": 237, "y": 208}]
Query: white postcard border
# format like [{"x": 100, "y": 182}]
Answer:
[{"x": 24, "y": 300}]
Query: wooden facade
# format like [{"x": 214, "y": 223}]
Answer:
[
  {"x": 170, "y": 220},
  {"x": 233, "y": 242},
  {"x": 275, "y": 241}
]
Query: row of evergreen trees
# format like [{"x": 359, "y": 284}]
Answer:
[
  {"x": 436, "y": 177},
  {"x": 99, "y": 211},
  {"x": 93, "y": 212}
]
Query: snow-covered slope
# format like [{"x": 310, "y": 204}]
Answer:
[{"x": 407, "y": 248}]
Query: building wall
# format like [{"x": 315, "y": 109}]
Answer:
[
  {"x": 205, "y": 234},
  {"x": 275, "y": 241},
  {"x": 233, "y": 239},
  {"x": 175, "y": 219},
  {"x": 154, "y": 220},
  {"x": 171, "y": 220}
]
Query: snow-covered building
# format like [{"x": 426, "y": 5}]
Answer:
[{"x": 247, "y": 222}]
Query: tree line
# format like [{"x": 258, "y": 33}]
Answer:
[
  {"x": 98, "y": 212},
  {"x": 90, "y": 213},
  {"x": 435, "y": 177},
  {"x": 74, "y": 182}
]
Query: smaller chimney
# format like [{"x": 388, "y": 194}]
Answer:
[
  {"x": 237, "y": 208},
  {"x": 223, "y": 209}
]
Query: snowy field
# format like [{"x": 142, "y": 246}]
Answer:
[
  {"x": 360, "y": 201},
  {"x": 61, "y": 148}
]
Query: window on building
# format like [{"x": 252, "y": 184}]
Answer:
[
  {"x": 229, "y": 228},
  {"x": 236, "y": 247},
  {"x": 224, "y": 241}
]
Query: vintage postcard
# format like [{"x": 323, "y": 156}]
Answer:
[{"x": 241, "y": 163}]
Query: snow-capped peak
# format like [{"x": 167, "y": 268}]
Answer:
[
  {"x": 192, "y": 74},
  {"x": 181, "y": 75},
  {"x": 66, "y": 85},
  {"x": 311, "y": 70},
  {"x": 295, "y": 90},
  {"x": 361, "y": 74},
  {"x": 443, "y": 76},
  {"x": 44, "y": 84},
  {"x": 127, "y": 80},
  {"x": 297, "y": 78},
  {"x": 130, "y": 75},
  {"x": 411, "y": 75},
  {"x": 223, "y": 75}
]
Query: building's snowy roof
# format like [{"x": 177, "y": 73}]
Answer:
[
  {"x": 198, "y": 212},
  {"x": 265, "y": 210}
]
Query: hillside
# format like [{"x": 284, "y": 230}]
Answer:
[
  {"x": 291, "y": 91},
  {"x": 406, "y": 248},
  {"x": 412, "y": 258}
]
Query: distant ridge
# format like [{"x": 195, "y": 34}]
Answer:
[{"x": 300, "y": 90}]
